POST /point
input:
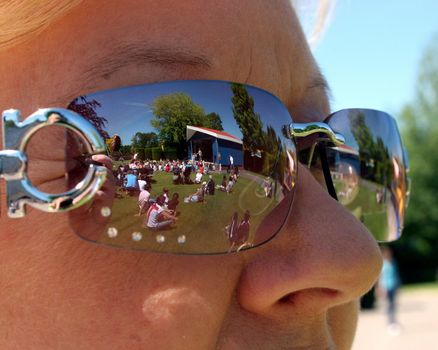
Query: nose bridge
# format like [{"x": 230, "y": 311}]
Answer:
[
  {"x": 334, "y": 245},
  {"x": 299, "y": 130},
  {"x": 322, "y": 252}
]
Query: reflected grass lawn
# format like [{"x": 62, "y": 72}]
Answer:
[
  {"x": 363, "y": 204},
  {"x": 202, "y": 224}
]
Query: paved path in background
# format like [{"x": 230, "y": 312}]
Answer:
[{"x": 418, "y": 317}]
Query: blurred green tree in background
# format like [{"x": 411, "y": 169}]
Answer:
[{"x": 417, "y": 251}]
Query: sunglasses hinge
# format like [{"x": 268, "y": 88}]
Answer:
[{"x": 299, "y": 130}]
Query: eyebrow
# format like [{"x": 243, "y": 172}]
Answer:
[
  {"x": 318, "y": 105},
  {"x": 320, "y": 82},
  {"x": 141, "y": 53}
]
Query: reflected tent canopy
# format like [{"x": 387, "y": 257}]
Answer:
[{"x": 214, "y": 142}]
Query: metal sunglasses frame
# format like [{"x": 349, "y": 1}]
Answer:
[{"x": 14, "y": 162}]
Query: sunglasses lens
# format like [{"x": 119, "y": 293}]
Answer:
[
  {"x": 369, "y": 172},
  {"x": 213, "y": 153}
]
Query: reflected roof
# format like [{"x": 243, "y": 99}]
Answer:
[{"x": 191, "y": 130}]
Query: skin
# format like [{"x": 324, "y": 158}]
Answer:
[{"x": 299, "y": 291}]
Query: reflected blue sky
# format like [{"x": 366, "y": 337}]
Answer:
[{"x": 128, "y": 110}]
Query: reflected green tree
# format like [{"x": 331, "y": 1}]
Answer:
[
  {"x": 263, "y": 150},
  {"x": 375, "y": 161},
  {"x": 213, "y": 121},
  {"x": 144, "y": 140},
  {"x": 142, "y": 144},
  {"x": 173, "y": 112},
  {"x": 247, "y": 119},
  {"x": 87, "y": 109},
  {"x": 272, "y": 143}
]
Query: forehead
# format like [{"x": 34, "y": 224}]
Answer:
[{"x": 95, "y": 47}]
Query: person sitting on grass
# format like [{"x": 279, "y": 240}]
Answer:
[
  {"x": 234, "y": 174},
  {"x": 143, "y": 199},
  {"x": 230, "y": 185},
  {"x": 223, "y": 186},
  {"x": 142, "y": 181},
  {"x": 159, "y": 218},
  {"x": 187, "y": 171},
  {"x": 173, "y": 203},
  {"x": 165, "y": 195},
  {"x": 210, "y": 186},
  {"x": 198, "y": 177},
  {"x": 236, "y": 170},
  {"x": 198, "y": 196},
  {"x": 267, "y": 187},
  {"x": 131, "y": 184},
  {"x": 177, "y": 176}
]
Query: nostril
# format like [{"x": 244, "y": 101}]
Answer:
[
  {"x": 316, "y": 296},
  {"x": 287, "y": 299},
  {"x": 328, "y": 292}
]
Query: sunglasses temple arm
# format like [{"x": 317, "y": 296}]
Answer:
[
  {"x": 326, "y": 170},
  {"x": 298, "y": 130}
]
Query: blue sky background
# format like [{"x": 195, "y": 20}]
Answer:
[{"x": 371, "y": 51}]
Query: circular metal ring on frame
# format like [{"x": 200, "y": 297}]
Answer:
[{"x": 13, "y": 161}]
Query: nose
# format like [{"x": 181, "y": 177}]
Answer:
[{"x": 322, "y": 257}]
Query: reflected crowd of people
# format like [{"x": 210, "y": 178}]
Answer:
[{"x": 135, "y": 178}]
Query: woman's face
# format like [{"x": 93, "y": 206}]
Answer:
[{"x": 298, "y": 291}]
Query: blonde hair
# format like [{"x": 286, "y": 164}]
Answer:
[
  {"x": 20, "y": 19},
  {"x": 315, "y": 17}
]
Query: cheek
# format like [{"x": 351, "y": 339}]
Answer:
[
  {"x": 62, "y": 287},
  {"x": 174, "y": 309},
  {"x": 343, "y": 322},
  {"x": 163, "y": 306}
]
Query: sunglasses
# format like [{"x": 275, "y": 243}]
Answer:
[{"x": 197, "y": 167}]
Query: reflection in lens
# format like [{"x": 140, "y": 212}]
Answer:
[
  {"x": 54, "y": 155},
  {"x": 346, "y": 177},
  {"x": 368, "y": 172},
  {"x": 198, "y": 167}
]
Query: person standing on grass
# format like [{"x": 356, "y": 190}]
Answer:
[
  {"x": 388, "y": 286},
  {"x": 219, "y": 160},
  {"x": 231, "y": 161},
  {"x": 240, "y": 240}
]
